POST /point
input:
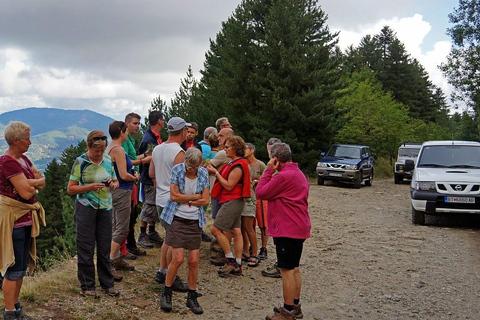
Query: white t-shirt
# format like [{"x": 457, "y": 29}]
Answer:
[
  {"x": 163, "y": 157},
  {"x": 183, "y": 210}
]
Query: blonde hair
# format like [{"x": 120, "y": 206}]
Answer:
[
  {"x": 15, "y": 129},
  {"x": 96, "y": 139}
]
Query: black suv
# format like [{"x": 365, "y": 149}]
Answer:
[{"x": 347, "y": 163}]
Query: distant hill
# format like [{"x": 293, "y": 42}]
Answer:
[{"x": 53, "y": 130}]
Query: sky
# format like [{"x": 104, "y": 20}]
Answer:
[{"x": 115, "y": 57}]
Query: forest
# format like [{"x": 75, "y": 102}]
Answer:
[{"x": 275, "y": 70}]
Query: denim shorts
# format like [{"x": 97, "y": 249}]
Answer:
[{"x": 21, "y": 248}]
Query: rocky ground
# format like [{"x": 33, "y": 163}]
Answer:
[{"x": 364, "y": 260}]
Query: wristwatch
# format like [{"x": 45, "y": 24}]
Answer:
[{"x": 190, "y": 203}]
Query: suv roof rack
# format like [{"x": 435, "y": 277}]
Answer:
[{"x": 410, "y": 144}]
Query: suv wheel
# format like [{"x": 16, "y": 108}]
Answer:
[
  {"x": 397, "y": 178},
  {"x": 369, "y": 181},
  {"x": 358, "y": 182},
  {"x": 418, "y": 217},
  {"x": 320, "y": 181}
]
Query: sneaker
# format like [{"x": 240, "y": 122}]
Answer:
[
  {"x": 160, "y": 277},
  {"x": 144, "y": 241},
  {"x": 297, "y": 310},
  {"x": 90, "y": 293},
  {"x": 166, "y": 301},
  {"x": 154, "y": 237},
  {"x": 193, "y": 304},
  {"x": 230, "y": 267},
  {"x": 119, "y": 264},
  {"x": 137, "y": 251},
  {"x": 272, "y": 272},
  {"x": 262, "y": 255},
  {"x": 206, "y": 237},
  {"x": 112, "y": 292},
  {"x": 116, "y": 276},
  {"x": 130, "y": 256},
  {"x": 284, "y": 314}
]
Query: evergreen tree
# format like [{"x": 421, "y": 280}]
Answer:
[{"x": 181, "y": 105}]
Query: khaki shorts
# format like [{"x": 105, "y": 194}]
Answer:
[
  {"x": 249, "y": 208},
  {"x": 184, "y": 233},
  {"x": 229, "y": 215}
]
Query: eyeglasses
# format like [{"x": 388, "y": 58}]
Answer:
[
  {"x": 189, "y": 167},
  {"x": 99, "y": 138}
]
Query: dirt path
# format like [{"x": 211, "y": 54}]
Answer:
[{"x": 365, "y": 260}]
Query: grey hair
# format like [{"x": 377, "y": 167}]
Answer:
[
  {"x": 281, "y": 151},
  {"x": 272, "y": 141},
  {"x": 193, "y": 156},
  {"x": 250, "y": 146},
  {"x": 15, "y": 129},
  {"x": 208, "y": 131},
  {"x": 220, "y": 122}
]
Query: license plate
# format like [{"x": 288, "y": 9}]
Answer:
[
  {"x": 459, "y": 200},
  {"x": 334, "y": 174}
]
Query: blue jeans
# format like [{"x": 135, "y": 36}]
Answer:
[{"x": 21, "y": 248}]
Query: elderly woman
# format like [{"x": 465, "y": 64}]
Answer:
[
  {"x": 121, "y": 196},
  {"x": 92, "y": 179},
  {"x": 230, "y": 189},
  {"x": 184, "y": 214},
  {"x": 288, "y": 223},
  {"x": 19, "y": 181}
]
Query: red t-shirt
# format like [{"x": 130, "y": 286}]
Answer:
[
  {"x": 9, "y": 168},
  {"x": 189, "y": 144}
]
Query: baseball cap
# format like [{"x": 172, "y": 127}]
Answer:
[{"x": 176, "y": 123}]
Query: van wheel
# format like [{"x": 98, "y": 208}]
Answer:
[
  {"x": 320, "y": 181},
  {"x": 418, "y": 217}
]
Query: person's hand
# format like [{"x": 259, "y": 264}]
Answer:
[
  {"x": 273, "y": 163},
  {"x": 36, "y": 174},
  {"x": 211, "y": 169},
  {"x": 96, "y": 186},
  {"x": 137, "y": 176}
]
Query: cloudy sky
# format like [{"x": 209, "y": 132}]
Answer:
[{"x": 114, "y": 57}]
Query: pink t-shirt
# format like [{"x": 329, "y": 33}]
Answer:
[{"x": 9, "y": 167}]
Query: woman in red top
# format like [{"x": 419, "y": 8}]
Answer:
[
  {"x": 231, "y": 186},
  {"x": 19, "y": 180}
]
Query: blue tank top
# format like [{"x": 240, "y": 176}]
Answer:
[{"x": 127, "y": 185}]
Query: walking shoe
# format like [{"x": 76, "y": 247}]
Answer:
[
  {"x": 154, "y": 237},
  {"x": 272, "y": 272},
  {"x": 112, "y": 292},
  {"x": 15, "y": 315},
  {"x": 297, "y": 310},
  {"x": 119, "y": 264},
  {"x": 116, "y": 276},
  {"x": 283, "y": 315},
  {"x": 206, "y": 237},
  {"x": 160, "y": 277},
  {"x": 90, "y": 293},
  {"x": 262, "y": 255},
  {"x": 144, "y": 241},
  {"x": 214, "y": 246},
  {"x": 193, "y": 304},
  {"x": 130, "y": 256},
  {"x": 230, "y": 267},
  {"x": 137, "y": 251},
  {"x": 166, "y": 301}
]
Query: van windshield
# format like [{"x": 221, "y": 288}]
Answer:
[
  {"x": 344, "y": 152},
  {"x": 408, "y": 152},
  {"x": 451, "y": 156}
]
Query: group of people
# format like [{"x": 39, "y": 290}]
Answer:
[{"x": 177, "y": 180}]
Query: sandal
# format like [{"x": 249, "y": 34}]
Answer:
[
  {"x": 245, "y": 258},
  {"x": 253, "y": 261}
]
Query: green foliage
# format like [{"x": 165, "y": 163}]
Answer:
[
  {"x": 383, "y": 168},
  {"x": 462, "y": 68}
]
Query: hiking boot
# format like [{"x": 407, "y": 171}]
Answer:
[
  {"x": 230, "y": 267},
  {"x": 119, "y": 264},
  {"x": 137, "y": 251},
  {"x": 178, "y": 285},
  {"x": 116, "y": 276},
  {"x": 130, "y": 256},
  {"x": 112, "y": 292},
  {"x": 219, "y": 259},
  {"x": 206, "y": 237},
  {"x": 193, "y": 304},
  {"x": 297, "y": 310},
  {"x": 160, "y": 277},
  {"x": 262, "y": 255},
  {"x": 214, "y": 246},
  {"x": 90, "y": 293},
  {"x": 284, "y": 314},
  {"x": 144, "y": 241},
  {"x": 15, "y": 315},
  {"x": 216, "y": 255},
  {"x": 272, "y": 272},
  {"x": 166, "y": 301},
  {"x": 154, "y": 237}
]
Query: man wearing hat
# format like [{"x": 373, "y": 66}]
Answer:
[
  {"x": 148, "y": 215},
  {"x": 164, "y": 157}
]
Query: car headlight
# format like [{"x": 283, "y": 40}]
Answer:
[
  {"x": 322, "y": 165},
  {"x": 424, "y": 185},
  {"x": 351, "y": 167}
]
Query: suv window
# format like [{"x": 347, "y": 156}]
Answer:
[
  {"x": 450, "y": 156},
  {"x": 365, "y": 152},
  {"x": 346, "y": 152},
  {"x": 408, "y": 152}
]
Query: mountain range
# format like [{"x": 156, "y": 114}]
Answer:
[{"x": 53, "y": 130}]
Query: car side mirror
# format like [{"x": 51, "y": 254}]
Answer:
[{"x": 409, "y": 165}]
